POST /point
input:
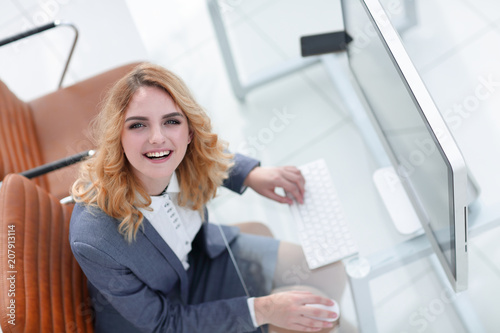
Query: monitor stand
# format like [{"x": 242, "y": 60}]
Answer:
[{"x": 396, "y": 201}]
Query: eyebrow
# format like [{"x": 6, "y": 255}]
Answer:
[{"x": 168, "y": 115}]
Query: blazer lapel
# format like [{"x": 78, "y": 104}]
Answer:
[{"x": 153, "y": 236}]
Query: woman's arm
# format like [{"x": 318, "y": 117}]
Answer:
[
  {"x": 239, "y": 172},
  {"x": 247, "y": 172},
  {"x": 265, "y": 180}
]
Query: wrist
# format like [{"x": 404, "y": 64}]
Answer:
[
  {"x": 249, "y": 176},
  {"x": 261, "y": 307}
]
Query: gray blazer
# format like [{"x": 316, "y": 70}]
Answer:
[{"x": 143, "y": 287}]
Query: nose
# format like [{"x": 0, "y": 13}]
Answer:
[{"x": 156, "y": 135}]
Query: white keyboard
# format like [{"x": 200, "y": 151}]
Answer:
[{"x": 323, "y": 229}]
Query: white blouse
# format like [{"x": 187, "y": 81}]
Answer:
[{"x": 176, "y": 225}]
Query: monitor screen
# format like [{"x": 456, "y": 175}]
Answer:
[{"x": 418, "y": 142}]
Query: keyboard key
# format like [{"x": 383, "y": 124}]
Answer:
[{"x": 324, "y": 232}]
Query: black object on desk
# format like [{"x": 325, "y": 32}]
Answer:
[{"x": 324, "y": 43}]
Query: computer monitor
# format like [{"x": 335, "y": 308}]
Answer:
[{"x": 412, "y": 130}]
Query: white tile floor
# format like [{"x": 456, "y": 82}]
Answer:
[{"x": 456, "y": 48}]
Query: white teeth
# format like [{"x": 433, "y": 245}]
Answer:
[{"x": 158, "y": 154}]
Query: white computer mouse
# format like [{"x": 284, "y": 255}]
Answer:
[{"x": 335, "y": 308}]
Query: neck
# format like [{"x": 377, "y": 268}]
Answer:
[{"x": 156, "y": 188}]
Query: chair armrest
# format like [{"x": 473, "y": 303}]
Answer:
[{"x": 52, "y": 166}]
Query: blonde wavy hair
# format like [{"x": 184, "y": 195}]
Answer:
[{"x": 106, "y": 180}]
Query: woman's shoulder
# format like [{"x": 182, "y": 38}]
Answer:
[
  {"x": 94, "y": 239},
  {"x": 89, "y": 214},
  {"x": 90, "y": 223}
]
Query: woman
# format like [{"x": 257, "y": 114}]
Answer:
[{"x": 139, "y": 229}]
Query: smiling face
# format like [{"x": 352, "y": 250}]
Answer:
[{"x": 155, "y": 137}]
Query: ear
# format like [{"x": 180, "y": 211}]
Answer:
[{"x": 190, "y": 136}]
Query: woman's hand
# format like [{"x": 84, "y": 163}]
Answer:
[
  {"x": 264, "y": 180},
  {"x": 288, "y": 310}
]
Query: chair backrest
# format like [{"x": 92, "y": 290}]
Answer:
[
  {"x": 42, "y": 287},
  {"x": 51, "y": 127},
  {"x": 19, "y": 150}
]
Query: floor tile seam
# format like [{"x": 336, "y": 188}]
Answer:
[
  {"x": 486, "y": 260},
  {"x": 460, "y": 47},
  {"x": 476, "y": 10},
  {"x": 413, "y": 279},
  {"x": 323, "y": 95},
  {"x": 344, "y": 121},
  {"x": 267, "y": 39},
  {"x": 22, "y": 12},
  {"x": 244, "y": 16},
  {"x": 193, "y": 50},
  {"x": 210, "y": 39}
]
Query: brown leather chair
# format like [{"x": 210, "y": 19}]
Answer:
[
  {"x": 42, "y": 287},
  {"x": 51, "y": 127}
]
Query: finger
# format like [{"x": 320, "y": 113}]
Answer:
[
  {"x": 301, "y": 294},
  {"x": 294, "y": 175},
  {"x": 312, "y": 325},
  {"x": 292, "y": 190},
  {"x": 294, "y": 183},
  {"x": 311, "y": 298},
  {"x": 319, "y": 314},
  {"x": 279, "y": 198},
  {"x": 294, "y": 194},
  {"x": 326, "y": 301}
]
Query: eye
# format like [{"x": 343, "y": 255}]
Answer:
[
  {"x": 136, "y": 125},
  {"x": 172, "y": 122}
]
